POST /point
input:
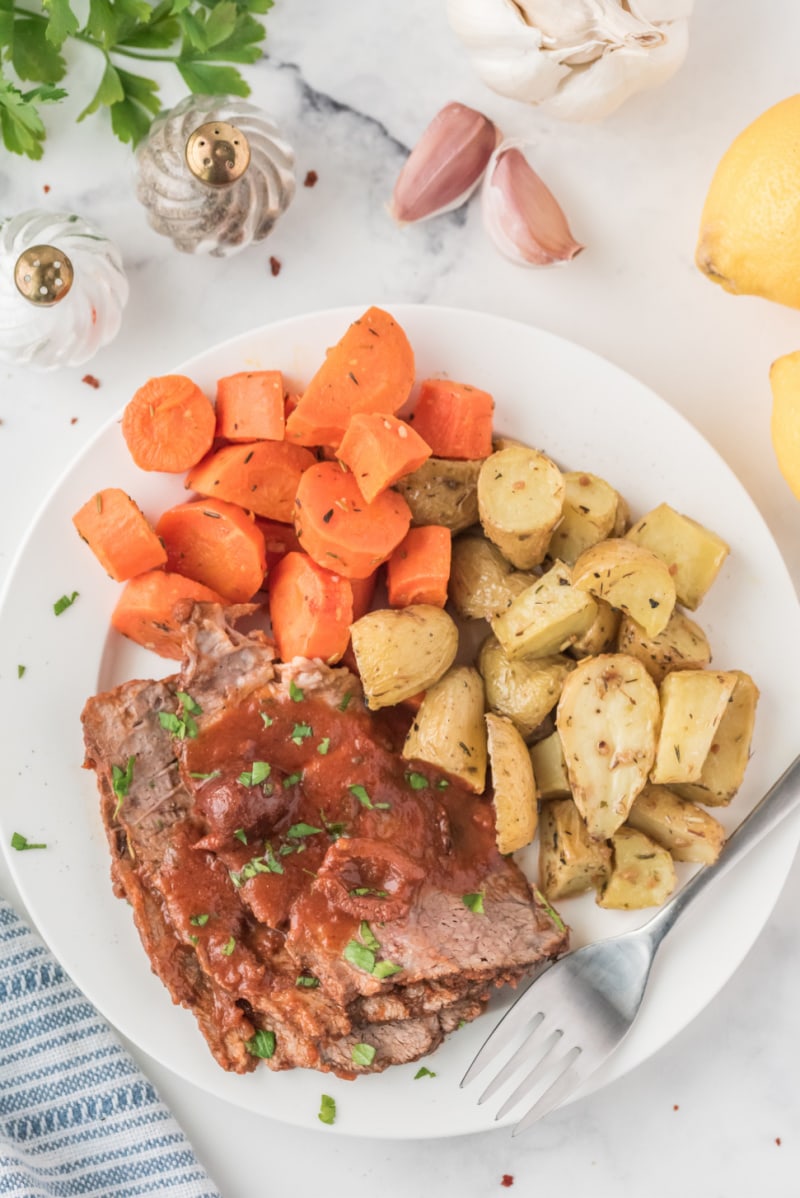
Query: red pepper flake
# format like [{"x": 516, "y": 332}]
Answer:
[
  {"x": 778, "y": 1141},
  {"x": 676, "y": 1107},
  {"x": 310, "y": 179},
  {"x": 46, "y": 188},
  {"x": 74, "y": 420},
  {"x": 507, "y": 1180},
  {"x": 275, "y": 266},
  {"x": 91, "y": 381}
]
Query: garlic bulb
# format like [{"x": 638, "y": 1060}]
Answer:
[
  {"x": 62, "y": 289},
  {"x": 578, "y": 60},
  {"x": 445, "y": 166},
  {"x": 521, "y": 214}
]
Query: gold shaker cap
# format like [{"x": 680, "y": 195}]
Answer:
[
  {"x": 217, "y": 153},
  {"x": 43, "y": 275}
]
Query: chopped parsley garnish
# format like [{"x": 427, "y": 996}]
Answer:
[
  {"x": 474, "y": 902},
  {"x": 180, "y": 726},
  {"x": 334, "y": 830},
  {"x": 359, "y": 955},
  {"x": 345, "y": 701},
  {"x": 301, "y": 829},
  {"x": 20, "y": 843},
  {"x": 306, "y": 983},
  {"x": 194, "y": 939},
  {"x": 368, "y": 892},
  {"x": 362, "y": 1054},
  {"x": 386, "y": 969},
  {"x": 423, "y": 1071},
  {"x": 442, "y": 784},
  {"x": 268, "y": 720},
  {"x": 292, "y": 779},
  {"x": 188, "y": 703},
  {"x": 551, "y": 911},
  {"x": 258, "y": 773},
  {"x": 121, "y": 780},
  {"x": 363, "y": 954},
  {"x": 368, "y": 936},
  {"x": 324, "y": 745},
  {"x": 364, "y": 799},
  {"x": 327, "y": 1109},
  {"x": 301, "y": 732},
  {"x": 20, "y": 671},
  {"x": 273, "y": 864},
  {"x": 228, "y": 948},
  {"x": 64, "y": 602},
  {"x": 206, "y": 777},
  {"x": 262, "y": 1044},
  {"x": 199, "y": 921},
  {"x": 416, "y": 781},
  {"x": 240, "y": 834},
  {"x": 295, "y": 692}
]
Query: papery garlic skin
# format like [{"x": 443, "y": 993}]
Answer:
[
  {"x": 445, "y": 166},
  {"x": 575, "y": 59},
  {"x": 521, "y": 214}
]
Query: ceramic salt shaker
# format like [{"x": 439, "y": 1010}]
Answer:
[
  {"x": 62, "y": 289},
  {"x": 214, "y": 175}
]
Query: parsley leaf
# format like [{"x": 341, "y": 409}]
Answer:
[
  {"x": 364, "y": 799},
  {"x": 324, "y": 745},
  {"x": 301, "y": 829},
  {"x": 262, "y": 1044},
  {"x": 301, "y": 732},
  {"x": 327, "y": 1109},
  {"x": 295, "y": 693},
  {"x": 359, "y": 955},
  {"x": 121, "y": 781},
  {"x": 65, "y": 601},
  {"x": 20, "y": 843},
  {"x": 474, "y": 903},
  {"x": 416, "y": 781},
  {"x": 423, "y": 1071},
  {"x": 229, "y": 946},
  {"x": 199, "y": 921},
  {"x": 362, "y": 1054},
  {"x": 306, "y": 983},
  {"x": 258, "y": 773}
]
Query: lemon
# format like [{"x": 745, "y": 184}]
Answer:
[
  {"x": 750, "y": 228},
  {"x": 784, "y": 376}
]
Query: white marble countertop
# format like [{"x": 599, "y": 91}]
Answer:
[{"x": 717, "y": 1111}]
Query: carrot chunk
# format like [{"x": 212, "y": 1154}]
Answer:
[
  {"x": 371, "y": 369},
  {"x": 250, "y": 406},
  {"x": 339, "y": 529},
  {"x": 380, "y": 449},
  {"x": 419, "y": 568},
  {"x": 145, "y": 610},
  {"x": 363, "y": 592},
  {"x": 169, "y": 424},
  {"x": 215, "y": 543},
  {"x": 261, "y": 476},
  {"x": 119, "y": 534},
  {"x": 311, "y": 609},
  {"x": 454, "y": 419},
  {"x": 279, "y": 539}
]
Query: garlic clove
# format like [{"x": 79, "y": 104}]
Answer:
[
  {"x": 445, "y": 166},
  {"x": 521, "y": 214}
]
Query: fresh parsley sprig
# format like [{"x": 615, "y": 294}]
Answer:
[{"x": 200, "y": 38}]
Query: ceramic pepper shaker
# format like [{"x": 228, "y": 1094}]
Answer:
[
  {"x": 62, "y": 289},
  {"x": 214, "y": 175}
]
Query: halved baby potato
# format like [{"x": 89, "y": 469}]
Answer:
[
  {"x": 402, "y": 652},
  {"x": 546, "y": 618},
  {"x": 642, "y": 873},
  {"x": 688, "y": 832},
  {"x": 692, "y": 553},
  {"x": 442, "y": 491},
  {"x": 693, "y": 703},
  {"x": 520, "y": 499},
  {"x": 524, "y": 689},
  {"x": 608, "y": 718},
  {"x": 482, "y": 583},
  {"x": 723, "y": 769},
  {"x": 570, "y": 861},
  {"x": 630, "y": 578},
  {"x": 588, "y": 516},
  {"x": 681, "y": 645},
  {"x": 448, "y": 730},
  {"x": 513, "y": 784}
]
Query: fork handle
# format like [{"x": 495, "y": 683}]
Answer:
[{"x": 777, "y": 803}]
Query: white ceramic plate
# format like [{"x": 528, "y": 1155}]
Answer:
[{"x": 588, "y": 415}]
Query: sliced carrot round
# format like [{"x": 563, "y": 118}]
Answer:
[
  {"x": 339, "y": 529},
  {"x": 169, "y": 424},
  {"x": 145, "y": 611},
  {"x": 310, "y": 608},
  {"x": 217, "y": 544}
]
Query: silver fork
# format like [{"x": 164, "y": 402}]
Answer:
[{"x": 575, "y": 1013}]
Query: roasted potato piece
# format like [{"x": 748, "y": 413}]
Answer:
[
  {"x": 448, "y": 730},
  {"x": 601, "y": 634},
  {"x": 642, "y": 873},
  {"x": 524, "y": 689},
  {"x": 546, "y": 618},
  {"x": 520, "y": 497},
  {"x": 723, "y": 768},
  {"x": 402, "y": 652},
  {"x": 570, "y": 862},
  {"x": 607, "y": 718},
  {"x": 692, "y": 704},
  {"x": 588, "y": 516},
  {"x": 622, "y": 520},
  {"x": 693, "y": 553},
  {"x": 629, "y": 577},
  {"x": 482, "y": 582},
  {"x": 681, "y": 645},
  {"x": 550, "y": 768},
  {"x": 688, "y": 832},
  {"x": 442, "y": 491},
  {"x": 513, "y": 785}
]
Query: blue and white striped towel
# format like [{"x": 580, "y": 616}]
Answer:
[{"x": 77, "y": 1117}]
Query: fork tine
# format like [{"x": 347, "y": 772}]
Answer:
[
  {"x": 533, "y": 1050},
  {"x": 567, "y": 1081},
  {"x": 546, "y": 1066},
  {"x": 509, "y": 1026}
]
